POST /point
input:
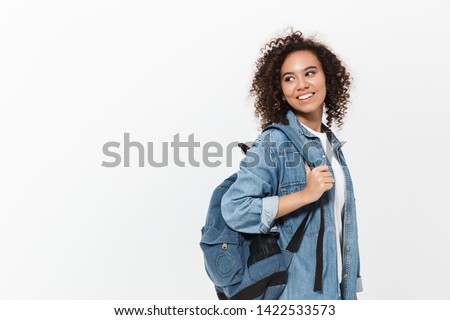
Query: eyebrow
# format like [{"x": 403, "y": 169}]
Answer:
[{"x": 306, "y": 69}]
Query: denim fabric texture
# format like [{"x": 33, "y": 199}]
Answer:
[{"x": 273, "y": 167}]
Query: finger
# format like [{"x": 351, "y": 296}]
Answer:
[
  {"x": 322, "y": 174},
  {"x": 326, "y": 174},
  {"x": 321, "y": 168},
  {"x": 307, "y": 169},
  {"x": 326, "y": 186},
  {"x": 326, "y": 180}
]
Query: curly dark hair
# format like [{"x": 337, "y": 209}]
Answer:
[{"x": 266, "y": 85}]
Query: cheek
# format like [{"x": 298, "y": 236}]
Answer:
[
  {"x": 285, "y": 89},
  {"x": 321, "y": 86},
  {"x": 323, "y": 93},
  {"x": 323, "y": 83}
]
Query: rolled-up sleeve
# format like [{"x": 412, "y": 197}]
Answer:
[
  {"x": 269, "y": 211},
  {"x": 359, "y": 286},
  {"x": 251, "y": 204}
]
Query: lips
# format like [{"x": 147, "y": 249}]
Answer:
[{"x": 305, "y": 96}]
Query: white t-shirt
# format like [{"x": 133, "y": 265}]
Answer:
[{"x": 339, "y": 196}]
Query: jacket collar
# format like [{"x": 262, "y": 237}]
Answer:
[{"x": 302, "y": 131}]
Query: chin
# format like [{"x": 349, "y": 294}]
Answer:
[{"x": 306, "y": 109}]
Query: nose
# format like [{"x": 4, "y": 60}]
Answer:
[{"x": 302, "y": 84}]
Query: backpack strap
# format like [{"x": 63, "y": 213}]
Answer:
[{"x": 294, "y": 244}]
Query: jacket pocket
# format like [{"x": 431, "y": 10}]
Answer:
[
  {"x": 287, "y": 188},
  {"x": 290, "y": 222}
]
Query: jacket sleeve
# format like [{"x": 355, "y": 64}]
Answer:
[
  {"x": 359, "y": 284},
  {"x": 251, "y": 203}
]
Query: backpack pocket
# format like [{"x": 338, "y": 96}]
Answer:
[{"x": 223, "y": 256}]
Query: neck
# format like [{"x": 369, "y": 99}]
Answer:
[{"x": 311, "y": 120}]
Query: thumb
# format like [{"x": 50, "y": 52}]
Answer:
[{"x": 307, "y": 169}]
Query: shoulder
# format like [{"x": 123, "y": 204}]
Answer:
[
  {"x": 272, "y": 135},
  {"x": 272, "y": 140}
]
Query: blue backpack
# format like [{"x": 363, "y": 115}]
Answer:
[{"x": 251, "y": 266}]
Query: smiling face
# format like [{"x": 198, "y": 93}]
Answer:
[{"x": 303, "y": 84}]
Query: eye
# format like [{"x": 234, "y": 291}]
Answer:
[
  {"x": 310, "y": 73},
  {"x": 289, "y": 78}
]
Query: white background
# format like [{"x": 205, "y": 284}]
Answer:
[{"x": 75, "y": 75}]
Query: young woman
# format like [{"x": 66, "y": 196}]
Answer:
[{"x": 297, "y": 80}]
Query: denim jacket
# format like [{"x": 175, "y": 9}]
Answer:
[{"x": 273, "y": 167}]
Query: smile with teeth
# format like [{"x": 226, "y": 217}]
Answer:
[{"x": 305, "y": 96}]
